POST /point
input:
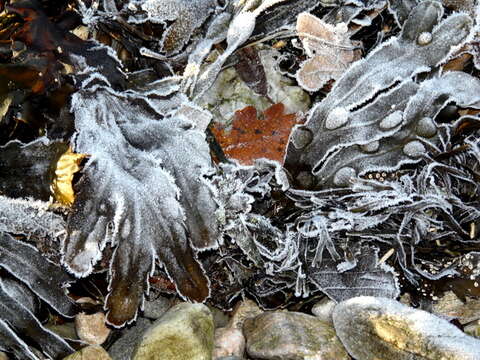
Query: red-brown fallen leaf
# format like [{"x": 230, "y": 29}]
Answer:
[{"x": 252, "y": 137}]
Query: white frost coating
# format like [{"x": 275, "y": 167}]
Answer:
[
  {"x": 30, "y": 217},
  {"x": 238, "y": 32},
  {"x": 424, "y": 38},
  {"x": 370, "y": 147},
  {"x": 414, "y": 149},
  {"x": 337, "y": 118},
  {"x": 343, "y": 176},
  {"x": 240, "y": 28},
  {"x": 392, "y": 120},
  {"x": 426, "y": 127}
]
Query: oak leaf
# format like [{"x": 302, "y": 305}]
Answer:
[
  {"x": 252, "y": 137},
  {"x": 329, "y": 49}
]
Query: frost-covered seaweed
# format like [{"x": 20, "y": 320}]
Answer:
[
  {"x": 19, "y": 325},
  {"x": 152, "y": 201},
  {"x": 361, "y": 126}
]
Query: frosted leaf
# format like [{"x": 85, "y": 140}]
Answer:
[
  {"x": 384, "y": 106},
  {"x": 147, "y": 174},
  {"x": 400, "y": 9},
  {"x": 185, "y": 15},
  {"x": 344, "y": 176},
  {"x": 329, "y": 48},
  {"x": 17, "y": 319},
  {"x": 29, "y": 217},
  {"x": 46, "y": 280},
  {"x": 239, "y": 30},
  {"x": 26, "y": 169},
  {"x": 365, "y": 277}
]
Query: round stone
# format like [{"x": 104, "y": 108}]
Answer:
[
  {"x": 337, "y": 118},
  {"x": 391, "y": 121},
  {"x": 426, "y": 127},
  {"x": 301, "y": 137},
  {"x": 343, "y": 176},
  {"x": 370, "y": 147},
  {"x": 424, "y": 38},
  {"x": 414, "y": 149}
]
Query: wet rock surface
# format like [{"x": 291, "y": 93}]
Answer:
[
  {"x": 92, "y": 352},
  {"x": 379, "y": 328},
  {"x": 228, "y": 342},
  {"x": 291, "y": 336},
  {"x": 123, "y": 348},
  {"x": 91, "y": 328},
  {"x": 185, "y": 332}
]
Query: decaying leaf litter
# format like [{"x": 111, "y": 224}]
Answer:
[{"x": 125, "y": 103}]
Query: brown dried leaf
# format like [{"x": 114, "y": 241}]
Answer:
[
  {"x": 251, "y": 71},
  {"x": 252, "y": 137}
]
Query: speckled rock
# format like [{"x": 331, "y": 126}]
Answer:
[
  {"x": 243, "y": 310},
  {"x": 122, "y": 349},
  {"x": 228, "y": 342},
  {"x": 380, "y": 328},
  {"x": 451, "y": 306},
  {"x": 154, "y": 309},
  {"x": 92, "y": 352},
  {"x": 292, "y": 336},
  {"x": 220, "y": 319},
  {"x": 323, "y": 309},
  {"x": 184, "y": 332},
  {"x": 91, "y": 328}
]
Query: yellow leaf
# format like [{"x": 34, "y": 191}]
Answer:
[{"x": 67, "y": 165}]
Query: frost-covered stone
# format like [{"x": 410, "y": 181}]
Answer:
[
  {"x": 379, "y": 328},
  {"x": 323, "y": 309},
  {"x": 292, "y": 336},
  {"x": 184, "y": 332}
]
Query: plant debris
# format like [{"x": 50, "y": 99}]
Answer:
[{"x": 160, "y": 146}]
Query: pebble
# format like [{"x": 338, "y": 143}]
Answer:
[
  {"x": 323, "y": 309},
  {"x": 380, "y": 328},
  {"x": 184, "y": 332},
  {"x": 228, "y": 342},
  {"x": 220, "y": 319},
  {"x": 245, "y": 309},
  {"x": 122, "y": 349},
  {"x": 451, "y": 306},
  {"x": 292, "y": 336},
  {"x": 91, "y": 328},
  {"x": 92, "y": 352}
]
